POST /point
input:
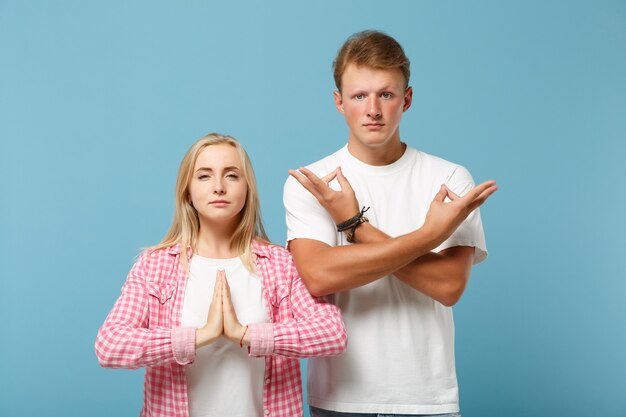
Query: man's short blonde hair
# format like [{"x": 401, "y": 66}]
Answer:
[{"x": 373, "y": 49}]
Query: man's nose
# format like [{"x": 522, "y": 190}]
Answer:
[{"x": 374, "y": 108}]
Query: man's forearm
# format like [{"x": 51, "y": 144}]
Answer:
[
  {"x": 327, "y": 269},
  {"x": 441, "y": 276}
]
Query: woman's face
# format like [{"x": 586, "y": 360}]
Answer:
[{"x": 218, "y": 188}]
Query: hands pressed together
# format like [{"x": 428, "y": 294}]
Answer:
[{"x": 222, "y": 318}]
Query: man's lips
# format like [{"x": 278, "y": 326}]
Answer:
[{"x": 374, "y": 126}]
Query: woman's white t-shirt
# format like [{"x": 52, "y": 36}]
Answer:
[{"x": 224, "y": 381}]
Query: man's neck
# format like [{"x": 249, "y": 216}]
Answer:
[{"x": 377, "y": 156}]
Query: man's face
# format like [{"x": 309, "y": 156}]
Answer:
[{"x": 372, "y": 101}]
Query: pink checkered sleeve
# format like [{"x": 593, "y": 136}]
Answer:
[
  {"x": 261, "y": 339},
  {"x": 126, "y": 341},
  {"x": 312, "y": 327}
]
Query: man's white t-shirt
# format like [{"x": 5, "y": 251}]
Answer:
[
  {"x": 400, "y": 356},
  {"x": 223, "y": 380}
]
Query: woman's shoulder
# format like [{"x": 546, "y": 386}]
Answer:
[
  {"x": 276, "y": 262},
  {"x": 275, "y": 254},
  {"x": 155, "y": 257},
  {"x": 156, "y": 252},
  {"x": 269, "y": 249}
]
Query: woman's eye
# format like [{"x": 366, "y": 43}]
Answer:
[
  {"x": 203, "y": 177},
  {"x": 232, "y": 177}
]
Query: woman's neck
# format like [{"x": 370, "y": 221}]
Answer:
[{"x": 214, "y": 243}]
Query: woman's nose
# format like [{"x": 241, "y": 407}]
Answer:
[{"x": 219, "y": 187}]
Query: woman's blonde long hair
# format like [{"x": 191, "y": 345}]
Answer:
[{"x": 186, "y": 224}]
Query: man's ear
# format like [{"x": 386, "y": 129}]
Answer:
[
  {"x": 338, "y": 101},
  {"x": 408, "y": 98}
]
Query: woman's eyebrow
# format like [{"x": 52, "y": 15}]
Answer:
[{"x": 229, "y": 168}]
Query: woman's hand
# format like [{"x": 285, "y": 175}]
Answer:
[
  {"x": 214, "y": 326},
  {"x": 222, "y": 318},
  {"x": 233, "y": 330}
]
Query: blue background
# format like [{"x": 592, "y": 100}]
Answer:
[{"x": 100, "y": 100}]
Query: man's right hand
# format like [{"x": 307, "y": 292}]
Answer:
[{"x": 342, "y": 204}]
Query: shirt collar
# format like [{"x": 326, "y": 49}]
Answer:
[
  {"x": 258, "y": 248},
  {"x": 174, "y": 250},
  {"x": 261, "y": 248}
]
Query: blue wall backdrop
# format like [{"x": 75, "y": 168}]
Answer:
[{"x": 100, "y": 100}]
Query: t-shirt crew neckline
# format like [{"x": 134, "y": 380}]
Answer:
[
  {"x": 395, "y": 166},
  {"x": 217, "y": 261}
]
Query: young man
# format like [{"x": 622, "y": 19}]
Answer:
[{"x": 396, "y": 274}]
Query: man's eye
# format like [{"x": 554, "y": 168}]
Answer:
[
  {"x": 386, "y": 95},
  {"x": 359, "y": 97}
]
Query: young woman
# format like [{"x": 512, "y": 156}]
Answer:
[{"x": 216, "y": 314}]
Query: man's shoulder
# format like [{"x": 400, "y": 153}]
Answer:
[
  {"x": 434, "y": 161},
  {"x": 438, "y": 166}
]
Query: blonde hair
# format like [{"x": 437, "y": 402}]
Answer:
[
  {"x": 371, "y": 48},
  {"x": 186, "y": 224}
]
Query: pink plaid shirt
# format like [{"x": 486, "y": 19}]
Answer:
[{"x": 143, "y": 329}]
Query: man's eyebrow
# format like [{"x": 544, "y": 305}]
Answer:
[{"x": 384, "y": 88}]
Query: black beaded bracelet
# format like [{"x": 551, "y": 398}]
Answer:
[
  {"x": 352, "y": 222},
  {"x": 350, "y": 234}
]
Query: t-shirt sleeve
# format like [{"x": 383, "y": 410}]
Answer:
[
  {"x": 305, "y": 217},
  {"x": 470, "y": 232}
]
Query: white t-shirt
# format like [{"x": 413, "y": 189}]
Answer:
[
  {"x": 224, "y": 381},
  {"x": 400, "y": 356}
]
